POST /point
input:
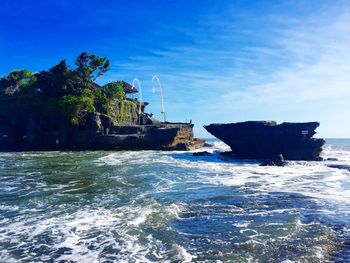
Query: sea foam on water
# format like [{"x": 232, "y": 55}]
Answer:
[{"x": 152, "y": 206}]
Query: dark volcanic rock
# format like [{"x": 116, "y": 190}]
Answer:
[
  {"x": 204, "y": 153},
  {"x": 340, "y": 166},
  {"x": 98, "y": 133},
  {"x": 332, "y": 159},
  {"x": 208, "y": 145},
  {"x": 278, "y": 160},
  {"x": 227, "y": 154},
  {"x": 266, "y": 139}
]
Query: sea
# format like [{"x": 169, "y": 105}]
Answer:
[{"x": 153, "y": 206}]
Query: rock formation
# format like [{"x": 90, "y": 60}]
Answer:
[
  {"x": 278, "y": 160},
  {"x": 266, "y": 139},
  {"x": 340, "y": 166},
  {"x": 98, "y": 133},
  {"x": 63, "y": 108},
  {"x": 204, "y": 153}
]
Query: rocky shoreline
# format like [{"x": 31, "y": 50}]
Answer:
[{"x": 98, "y": 133}]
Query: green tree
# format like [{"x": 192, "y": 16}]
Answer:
[
  {"x": 54, "y": 82},
  {"x": 76, "y": 108},
  {"x": 114, "y": 90},
  {"x": 89, "y": 68},
  {"x": 62, "y": 93},
  {"x": 15, "y": 81}
]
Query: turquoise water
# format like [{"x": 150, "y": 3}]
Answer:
[{"x": 151, "y": 206}]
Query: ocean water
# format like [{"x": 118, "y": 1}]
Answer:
[{"x": 151, "y": 206}]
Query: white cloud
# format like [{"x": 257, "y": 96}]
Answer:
[
  {"x": 314, "y": 85},
  {"x": 292, "y": 70}
]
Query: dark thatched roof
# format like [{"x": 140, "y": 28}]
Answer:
[
  {"x": 143, "y": 103},
  {"x": 96, "y": 86},
  {"x": 127, "y": 87}
]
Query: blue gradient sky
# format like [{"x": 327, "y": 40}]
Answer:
[{"x": 219, "y": 61}]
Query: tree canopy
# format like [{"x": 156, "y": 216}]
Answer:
[{"x": 68, "y": 92}]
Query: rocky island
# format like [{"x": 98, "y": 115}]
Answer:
[
  {"x": 65, "y": 109},
  {"x": 267, "y": 139}
]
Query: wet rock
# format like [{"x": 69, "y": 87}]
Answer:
[
  {"x": 227, "y": 154},
  {"x": 278, "y": 160},
  {"x": 340, "y": 166},
  {"x": 97, "y": 133},
  {"x": 266, "y": 139},
  {"x": 204, "y": 153},
  {"x": 332, "y": 159}
]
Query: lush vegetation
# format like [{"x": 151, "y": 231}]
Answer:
[{"x": 61, "y": 92}]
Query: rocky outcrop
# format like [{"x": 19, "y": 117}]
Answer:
[
  {"x": 266, "y": 139},
  {"x": 98, "y": 133},
  {"x": 204, "y": 153},
  {"x": 147, "y": 137},
  {"x": 278, "y": 160},
  {"x": 340, "y": 166}
]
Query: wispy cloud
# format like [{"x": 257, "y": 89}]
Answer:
[
  {"x": 314, "y": 84},
  {"x": 290, "y": 69}
]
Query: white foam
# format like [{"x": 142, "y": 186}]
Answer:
[
  {"x": 87, "y": 231},
  {"x": 118, "y": 228},
  {"x": 243, "y": 224},
  {"x": 175, "y": 210},
  {"x": 314, "y": 179},
  {"x": 182, "y": 255},
  {"x": 127, "y": 158},
  {"x": 143, "y": 214}
]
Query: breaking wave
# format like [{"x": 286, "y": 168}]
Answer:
[{"x": 151, "y": 206}]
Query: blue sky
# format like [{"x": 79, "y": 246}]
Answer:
[{"x": 219, "y": 61}]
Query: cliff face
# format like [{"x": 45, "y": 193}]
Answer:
[
  {"x": 266, "y": 139},
  {"x": 98, "y": 133},
  {"x": 123, "y": 111}
]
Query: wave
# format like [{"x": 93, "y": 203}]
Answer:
[
  {"x": 87, "y": 234},
  {"x": 314, "y": 179},
  {"x": 151, "y": 206}
]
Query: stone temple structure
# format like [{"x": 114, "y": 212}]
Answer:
[{"x": 135, "y": 130}]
